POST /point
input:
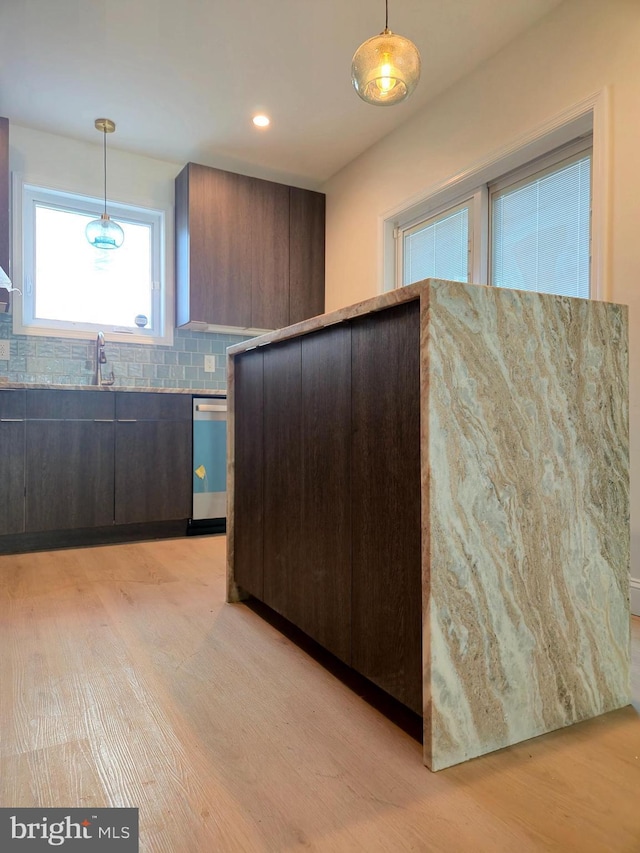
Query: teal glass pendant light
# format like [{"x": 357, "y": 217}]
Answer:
[
  {"x": 385, "y": 69},
  {"x": 104, "y": 233}
]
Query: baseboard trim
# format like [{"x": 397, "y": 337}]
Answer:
[
  {"x": 198, "y": 526},
  {"x": 19, "y": 543}
]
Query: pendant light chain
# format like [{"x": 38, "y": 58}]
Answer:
[{"x": 104, "y": 233}]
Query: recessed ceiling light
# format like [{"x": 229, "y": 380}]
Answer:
[{"x": 261, "y": 121}]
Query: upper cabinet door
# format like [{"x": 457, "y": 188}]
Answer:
[
  {"x": 243, "y": 259},
  {"x": 306, "y": 254},
  {"x": 269, "y": 229},
  {"x": 217, "y": 231}
]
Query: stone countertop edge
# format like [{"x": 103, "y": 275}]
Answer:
[
  {"x": 194, "y": 392},
  {"x": 368, "y": 306}
]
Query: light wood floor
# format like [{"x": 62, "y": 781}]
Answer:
[{"x": 125, "y": 680}]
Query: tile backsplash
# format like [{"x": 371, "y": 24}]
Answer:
[{"x": 62, "y": 361}]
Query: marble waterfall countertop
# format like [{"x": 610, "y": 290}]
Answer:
[{"x": 524, "y": 455}]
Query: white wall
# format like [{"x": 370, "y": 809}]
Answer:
[
  {"x": 580, "y": 48},
  {"x": 69, "y": 164}
]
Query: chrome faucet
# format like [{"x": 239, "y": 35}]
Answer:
[{"x": 101, "y": 359}]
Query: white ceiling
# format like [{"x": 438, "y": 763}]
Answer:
[{"x": 182, "y": 79}]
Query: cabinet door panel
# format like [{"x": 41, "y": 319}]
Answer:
[
  {"x": 248, "y": 472},
  {"x": 249, "y": 252},
  {"x": 12, "y": 404},
  {"x": 220, "y": 257},
  {"x": 268, "y": 226},
  {"x": 69, "y": 474},
  {"x": 153, "y": 471},
  {"x": 12, "y": 442},
  {"x": 306, "y": 254},
  {"x": 324, "y": 587},
  {"x": 282, "y": 478},
  {"x": 387, "y": 623}
]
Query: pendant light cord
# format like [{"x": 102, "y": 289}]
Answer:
[
  {"x": 386, "y": 14},
  {"x": 105, "y": 171}
]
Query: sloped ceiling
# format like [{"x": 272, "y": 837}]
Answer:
[{"x": 182, "y": 80}]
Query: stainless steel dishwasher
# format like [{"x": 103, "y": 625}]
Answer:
[{"x": 209, "y": 466}]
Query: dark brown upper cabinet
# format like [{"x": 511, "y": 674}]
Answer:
[{"x": 249, "y": 252}]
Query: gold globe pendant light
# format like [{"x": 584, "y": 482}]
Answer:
[
  {"x": 104, "y": 233},
  {"x": 385, "y": 69}
]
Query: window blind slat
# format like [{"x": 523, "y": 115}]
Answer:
[
  {"x": 541, "y": 232},
  {"x": 438, "y": 248}
]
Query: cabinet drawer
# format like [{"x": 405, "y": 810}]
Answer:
[
  {"x": 56, "y": 405},
  {"x": 148, "y": 406},
  {"x": 12, "y": 405}
]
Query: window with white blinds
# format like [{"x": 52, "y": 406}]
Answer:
[
  {"x": 540, "y": 230},
  {"x": 529, "y": 230},
  {"x": 438, "y": 247}
]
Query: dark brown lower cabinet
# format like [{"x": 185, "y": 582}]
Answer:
[
  {"x": 153, "y": 457},
  {"x": 12, "y": 477},
  {"x": 69, "y": 474},
  {"x": 282, "y": 486},
  {"x": 249, "y": 472},
  {"x": 75, "y": 459},
  {"x": 152, "y": 470},
  {"x": 324, "y": 569},
  {"x": 283, "y": 440},
  {"x": 12, "y": 414},
  {"x": 68, "y": 459},
  {"x": 292, "y": 515},
  {"x": 327, "y": 491},
  {"x": 386, "y": 537}
]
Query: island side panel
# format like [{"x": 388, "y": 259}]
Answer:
[
  {"x": 245, "y": 522},
  {"x": 386, "y": 537},
  {"x": 234, "y": 593},
  {"x": 282, "y": 490},
  {"x": 529, "y": 516},
  {"x": 323, "y": 604}
]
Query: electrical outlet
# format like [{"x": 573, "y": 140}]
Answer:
[
  {"x": 4, "y": 350},
  {"x": 210, "y": 363}
]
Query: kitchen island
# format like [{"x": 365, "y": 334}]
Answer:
[{"x": 433, "y": 484}]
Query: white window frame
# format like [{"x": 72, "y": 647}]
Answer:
[
  {"x": 407, "y": 227},
  {"x": 588, "y": 118},
  {"x": 480, "y": 217},
  {"x": 25, "y": 197}
]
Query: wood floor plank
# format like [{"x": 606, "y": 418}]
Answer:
[
  {"x": 126, "y": 680},
  {"x": 65, "y": 773}
]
